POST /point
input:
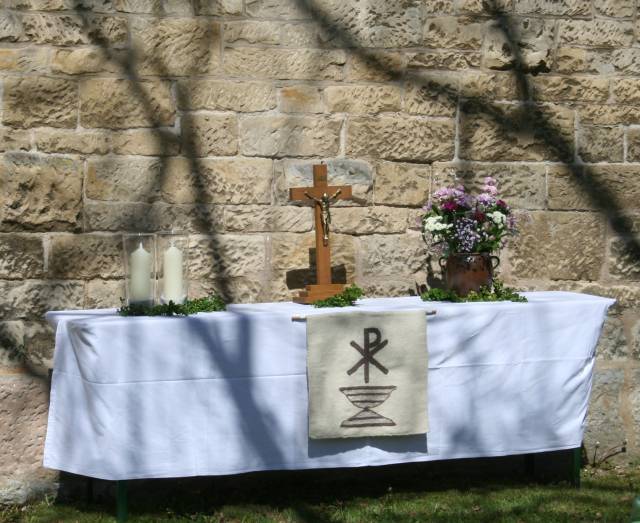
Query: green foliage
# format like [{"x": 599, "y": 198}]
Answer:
[
  {"x": 498, "y": 293},
  {"x": 208, "y": 304},
  {"x": 346, "y": 298}
]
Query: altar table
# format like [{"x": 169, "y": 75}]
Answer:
[{"x": 224, "y": 393}]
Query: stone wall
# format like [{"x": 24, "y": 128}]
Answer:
[{"x": 147, "y": 115}]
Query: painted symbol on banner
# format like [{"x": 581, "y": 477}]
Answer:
[
  {"x": 366, "y": 398},
  {"x": 370, "y": 349}
]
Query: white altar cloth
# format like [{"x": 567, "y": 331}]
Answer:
[{"x": 223, "y": 393}]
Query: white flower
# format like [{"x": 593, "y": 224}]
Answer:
[
  {"x": 434, "y": 224},
  {"x": 498, "y": 218}
]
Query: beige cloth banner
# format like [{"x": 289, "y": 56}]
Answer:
[{"x": 367, "y": 374}]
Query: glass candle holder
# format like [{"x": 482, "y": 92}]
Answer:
[
  {"x": 173, "y": 277},
  {"x": 139, "y": 268}
]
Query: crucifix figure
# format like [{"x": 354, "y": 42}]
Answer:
[{"x": 322, "y": 195}]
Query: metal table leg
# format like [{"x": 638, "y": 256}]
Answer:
[
  {"x": 122, "y": 509},
  {"x": 576, "y": 465}
]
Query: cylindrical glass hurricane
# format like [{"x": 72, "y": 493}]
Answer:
[
  {"x": 173, "y": 276},
  {"x": 139, "y": 266}
]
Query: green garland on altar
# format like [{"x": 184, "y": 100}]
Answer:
[
  {"x": 498, "y": 293},
  {"x": 346, "y": 298},
  {"x": 212, "y": 303}
]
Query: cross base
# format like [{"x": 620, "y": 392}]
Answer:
[{"x": 313, "y": 293}]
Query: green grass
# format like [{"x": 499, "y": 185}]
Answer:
[{"x": 388, "y": 494}]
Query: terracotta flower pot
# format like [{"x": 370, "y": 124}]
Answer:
[{"x": 466, "y": 272}]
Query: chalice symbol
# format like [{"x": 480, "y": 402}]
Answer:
[{"x": 366, "y": 398}]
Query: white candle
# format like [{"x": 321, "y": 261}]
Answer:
[
  {"x": 140, "y": 275},
  {"x": 172, "y": 283}
]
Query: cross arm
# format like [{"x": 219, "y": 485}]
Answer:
[{"x": 298, "y": 193}]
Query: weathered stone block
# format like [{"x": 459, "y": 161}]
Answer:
[
  {"x": 39, "y": 192},
  {"x": 426, "y": 96},
  {"x": 233, "y": 181},
  {"x": 145, "y": 142},
  {"x": 552, "y": 7},
  {"x": 450, "y": 31},
  {"x": 14, "y": 140},
  {"x": 223, "y": 95},
  {"x": 516, "y": 132},
  {"x": 555, "y": 88},
  {"x": 521, "y": 185},
  {"x": 97, "y": 6},
  {"x": 309, "y": 34},
  {"x": 633, "y": 144},
  {"x": 37, "y": 100},
  {"x": 601, "y": 144},
  {"x": 124, "y": 180},
  {"x": 277, "y": 9},
  {"x": 369, "y": 220},
  {"x": 401, "y": 138},
  {"x": 596, "y": 33},
  {"x": 301, "y": 99},
  {"x": 626, "y": 90},
  {"x": 623, "y": 259},
  {"x": 226, "y": 256},
  {"x": 26, "y": 347},
  {"x": 376, "y": 66},
  {"x": 615, "y": 8},
  {"x": 277, "y": 136},
  {"x": 59, "y": 141},
  {"x": 74, "y": 29},
  {"x": 296, "y": 252},
  {"x": 104, "y": 294},
  {"x": 232, "y": 290},
  {"x": 177, "y": 46},
  {"x": 264, "y": 218},
  {"x": 85, "y": 60},
  {"x": 610, "y": 115},
  {"x": 116, "y": 103},
  {"x": 210, "y": 134},
  {"x": 559, "y": 246},
  {"x": 85, "y": 256},
  {"x": 252, "y": 32},
  {"x": 31, "y": 299},
  {"x": 387, "y": 287},
  {"x": 612, "y": 344},
  {"x": 362, "y": 99},
  {"x": 444, "y": 59},
  {"x": 24, "y": 60},
  {"x": 534, "y": 41},
  {"x": 207, "y": 7},
  {"x": 472, "y": 6},
  {"x": 493, "y": 86},
  {"x": 405, "y": 184},
  {"x": 139, "y": 6},
  {"x": 633, "y": 397},
  {"x": 299, "y": 173},
  {"x": 21, "y": 256},
  {"x": 625, "y": 61},
  {"x": 284, "y": 64},
  {"x": 10, "y": 27},
  {"x": 572, "y": 60},
  {"x": 397, "y": 255}
]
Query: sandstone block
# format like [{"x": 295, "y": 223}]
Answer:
[
  {"x": 264, "y": 218},
  {"x": 612, "y": 344},
  {"x": 31, "y": 101},
  {"x": 26, "y": 347},
  {"x": 209, "y": 134},
  {"x": 30, "y": 299},
  {"x": 301, "y": 99},
  {"x": 116, "y": 103},
  {"x": 73, "y": 30},
  {"x": 601, "y": 114},
  {"x": 97, "y": 6},
  {"x": 397, "y": 255},
  {"x": 296, "y": 252},
  {"x": 633, "y": 397},
  {"x": 361, "y": 99},
  {"x": 559, "y": 246},
  {"x": 252, "y": 32},
  {"x": 601, "y": 144},
  {"x": 616, "y": 8},
  {"x": 145, "y": 142},
  {"x": 299, "y": 173},
  {"x": 226, "y": 256},
  {"x": 603, "y": 187},
  {"x": 596, "y": 33},
  {"x": 84, "y": 60},
  {"x": 633, "y": 144},
  {"x": 85, "y": 256},
  {"x": 233, "y": 181},
  {"x": 554, "y": 88},
  {"x": 491, "y": 86},
  {"x": 10, "y": 27},
  {"x": 521, "y": 185},
  {"x": 12, "y": 349},
  {"x": 550, "y": 7},
  {"x": 284, "y": 64},
  {"x": 387, "y": 287},
  {"x": 623, "y": 259},
  {"x": 401, "y": 138},
  {"x": 376, "y": 66},
  {"x": 21, "y": 256},
  {"x": 207, "y": 7},
  {"x": 369, "y": 220},
  {"x": 445, "y": 59},
  {"x": 626, "y": 90},
  {"x": 405, "y": 184},
  {"x": 14, "y": 140},
  {"x": 626, "y": 61},
  {"x": 177, "y": 46},
  {"x": 277, "y": 9},
  {"x": 277, "y": 136},
  {"x": 63, "y": 141},
  {"x": 308, "y": 34},
  {"x": 24, "y": 60},
  {"x": 104, "y": 294},
  {"x": 124, "y": 180},
  {"x": 516, "y": 132},
  {"x": 39, "y": 192},
  {"x": 429, "y": 97},
  {"x": 232, "y": 290},
  {"x": 222, "y": 95},
  {"x": 450, "y": 31},
  {"x": 604, "y": 421},
  {"x": 139, "y": 6}
]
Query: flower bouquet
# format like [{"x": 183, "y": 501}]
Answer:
[{"x": 465, "y": 230}]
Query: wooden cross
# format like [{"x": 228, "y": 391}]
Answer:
[{"x": 323, "y": 195}]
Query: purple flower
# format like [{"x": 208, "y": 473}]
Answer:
[
  {"x": 449, "y": 206},
  {"x": 466, "y": 235}
]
